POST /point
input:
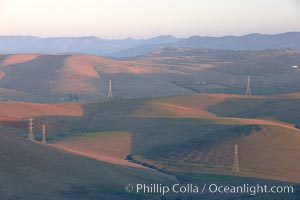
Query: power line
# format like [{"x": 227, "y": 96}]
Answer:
[
  {"x": 110, "y": 94},
  {"x": 236, "y": 166},
  {"x": 44, "y": 134},
  {"x": 248, "y": 90},
  {"x": 30, "y": 128}
]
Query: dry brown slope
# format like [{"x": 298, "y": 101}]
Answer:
[
  {"x": 111, "y": 147},
  {"x": 194, "y": 106},
  {"x": 11, "y": 59},
  {"x": 21, "y": 110}
]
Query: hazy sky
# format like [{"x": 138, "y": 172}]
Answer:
[{"x": 147, "y": 18}]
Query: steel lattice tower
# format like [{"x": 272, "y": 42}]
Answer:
[
  {"x": 44, "y": 134},
  {"x": 30, "y": 127},
  {"x": 236, "y": 166},
  {"x": 109, "y": 94},
  {"x": 248, "y": 90}
]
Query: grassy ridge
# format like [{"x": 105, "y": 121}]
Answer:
[{"x": 287, "y": 110}]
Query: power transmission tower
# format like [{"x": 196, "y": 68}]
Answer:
[
  {"x": 44, "y": 134},
  {"x": 109, "y": 94},
  {"x": 236, "y": 166},
  {"x": 30, "y": 127},
  {"x": 248, "y": 90}
]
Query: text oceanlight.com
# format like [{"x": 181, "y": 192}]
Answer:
[{"x": 208, "y": 188}]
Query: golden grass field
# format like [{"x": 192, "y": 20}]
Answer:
[
  {"x": 111, "y": 147},
  {"x": 22, "y": 110}
]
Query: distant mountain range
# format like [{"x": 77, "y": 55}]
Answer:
[{"x": 132, "y": 47}]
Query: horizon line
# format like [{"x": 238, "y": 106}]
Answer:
[{"x": 146, "y": 38}]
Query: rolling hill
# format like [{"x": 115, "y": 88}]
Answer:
[
  {"x": 175, "y": 133},
  {"x": 167, "y": 72},
  {"x": 58, "y": 76},
  {"x": 32, "y": 171},
  {"x": 281, "y": 108},
  {"x": 246, "y": 131},
  {"x": 178, "y": 135}
]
